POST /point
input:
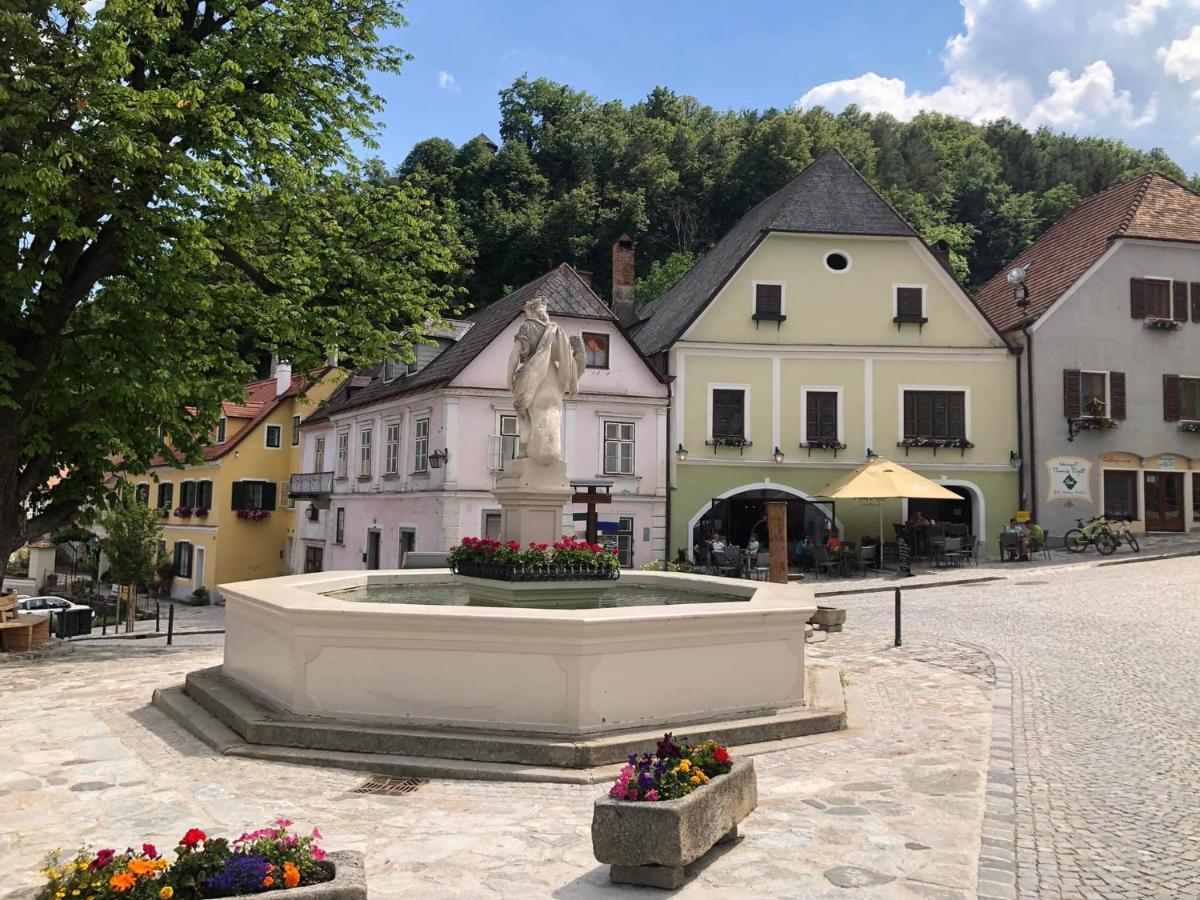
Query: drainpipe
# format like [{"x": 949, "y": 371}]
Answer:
[
  {"x": 1018, "y": 352},
  {"x": 1033, "y": 495},
  {"x": 670, "y": 379}
]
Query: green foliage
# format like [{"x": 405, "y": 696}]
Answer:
[
  {"x": 131, "y": 542},
  {"x": 179, "y": 201},
  {"x": 662, "y": 276}
]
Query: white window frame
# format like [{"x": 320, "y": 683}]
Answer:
[
  {"x": 267, "y": 436},
  {"x": 191, "y": 559},
  {"x": 1083, "y": 413},
  {"x": 171, "y": 505},
  {"x": 604, "y": 442},
  {"x": 754, "y": 296},
  {"x": 621, "y": 532},
  {"x": 341, "y": 453},
  {"x": 841, "y": 408},
  {"x": 222, "y": 429},
  {"x": 924, "y": 288},
  {"x": 828, "y": 253},
  {"x": 497, "y": 460},
  {"x": 483, "y": 520},
  {"x": 944, "y": 388},
  {"x": 295, "y": 431},
  {"x": 319, "y": 454},
  {"x": 366, "y": 440},
  {"x": 391, "y": 447},
  {"x": 420, "y": 458},
  {"x": 389, "y": 371},
  {"x": 746, "y": 408}
]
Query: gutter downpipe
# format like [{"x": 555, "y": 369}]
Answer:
[
  {"x": 1032, "y": 438},
  {"x": 1019, "y": 352},
  {"x": 670, "y": 379}
]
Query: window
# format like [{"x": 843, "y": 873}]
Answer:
[
  {"x": 391, "y": 449},
  {"x": 820, "y": 416},
  {"x": 274, "y": 436},
  {"x": 319, "y": 455},
  {"x": 935, "y": 414},
  {"x": 364, "y": 451},
  {"x": 618, "y": 448},
  {"x": 389, "y": 371},
  {"x": 421, "y": 445},
  {"x": 595, "y": 349},
  {"x": 204, "y": 494},
  {"x": 625, "y": 541},
  {"x": 768, "y": 301},
  {"x": 295, "y": 431},
  {"x": 314, "y": 558},
  {"x": 1120, "y": 494},
  {"x": 507, "y": 442},
  {"x": 1093, "y": 393},
  {"x": 286, "y": 492},
  {"x": 183, "y": 559},
  {"x": 1189, "y": 399},
  {"x": 837, "y": 261},
  {"x": 141, "y": 493},
  {"x": 491, "y": 525},
  {"x": 339, "y": 528},
  {"x": 162, "y": 551},
  {"x": 187, "y": 494},
  {"x": 728, "y": 414},
  {"x": 343, "y": 453},
  {"x": 254, "y": 495},
  {"x": 221, "y": 425},
  {"x": 1158, "y": 298},
  {"x": 165, "y": 493},
  {"x": 909, "y": 303}
]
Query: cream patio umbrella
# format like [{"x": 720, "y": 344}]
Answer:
[{"x": 881, "y": 479}]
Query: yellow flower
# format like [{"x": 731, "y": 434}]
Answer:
[
  {"x": 685, "y": 765},
  {"x": 166, "y": 893},
  {"x": 695, "y": 779}
]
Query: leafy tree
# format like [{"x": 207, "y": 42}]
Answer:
[
  {"x": 178, "y": 194},
  {"x": 662, "y": 276},
  {"x": 131, "y": 544}
]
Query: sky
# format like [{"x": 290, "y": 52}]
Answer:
[{"x": 1115, "y": 68}]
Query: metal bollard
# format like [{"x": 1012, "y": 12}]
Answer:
[
  {"x": 171, "y": 624},
  {"x": 156, "y": 614},
  {"x": 898, "y": 641}
]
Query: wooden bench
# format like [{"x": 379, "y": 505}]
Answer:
[{"x": 20, "y": 632}]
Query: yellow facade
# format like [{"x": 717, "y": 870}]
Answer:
[{"x": 227, "y": 548}]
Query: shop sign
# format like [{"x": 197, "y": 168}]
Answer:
[{"x": 1069, "y": 478}]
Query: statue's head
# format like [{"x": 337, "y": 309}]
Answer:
[{"x": 535, "y": 308}]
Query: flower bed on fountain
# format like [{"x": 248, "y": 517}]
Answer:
[{"x": 568, "y": 560}]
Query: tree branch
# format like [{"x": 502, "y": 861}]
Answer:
[{"x": 247, "y": 268}]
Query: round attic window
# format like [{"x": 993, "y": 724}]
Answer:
[{"x": 837, "y": 261}]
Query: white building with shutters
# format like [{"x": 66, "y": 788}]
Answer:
[{"x": 1110, "y": 374}]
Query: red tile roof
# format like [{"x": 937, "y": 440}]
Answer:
[{"x": 1150, "y": 206}]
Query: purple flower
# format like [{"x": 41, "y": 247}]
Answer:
[{"x": 241, "y": 875}]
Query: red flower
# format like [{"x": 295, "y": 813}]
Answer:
[
  {"x": 721, "y": 755},
  {"x": 193, "y": 837},
  {"x": 150, "y": 851}
]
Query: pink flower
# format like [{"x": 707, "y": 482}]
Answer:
[
  {"x": 631, "y": 794},
  {"x": 652, "y": 795},
  {"x": 316, "y": 833},
  {"x": 283, "y": 823},
  {"x": 317, "y": 852}
]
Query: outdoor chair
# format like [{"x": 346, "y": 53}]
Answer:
[
  {"x": 1042, "y": 546},
  {"x": 727, "y": 563},
  {"x": 866, "y": 559},
  {"x": 1010, "y": 546},
  {"x": 950, "y": 552},
  {"x": 821, "y": 562},
  {"x": 970, "y": 550}
]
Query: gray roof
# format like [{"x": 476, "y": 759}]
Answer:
[
  {"x": 829, "y": 197},
  {"x": 565, "y": 294}
]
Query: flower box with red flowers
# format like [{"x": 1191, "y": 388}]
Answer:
[
  {"x": 668, "y": 809},
  {"x": 253, "y": 514},
  {"x": 568, "y": 559},
  {"x": 270, "y": 859},
  {"x": 183, "y": 512},
  {"x": 200, "y": 512}
]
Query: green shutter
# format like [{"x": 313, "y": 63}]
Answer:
[
  {"x": 239, "y": 495},
  {"x": 269, "y": 495}
]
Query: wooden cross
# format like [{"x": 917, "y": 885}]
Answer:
[{"x": 588, "y": 492}]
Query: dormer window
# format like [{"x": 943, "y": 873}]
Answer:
[
  {"x": 768, "y": 301},
  {"x": 908, "y": 304}
]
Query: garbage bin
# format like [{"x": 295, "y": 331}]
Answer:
[{"x": 72, "y": 622}]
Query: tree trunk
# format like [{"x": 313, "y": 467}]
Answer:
[{"x": 131, "y": 609}]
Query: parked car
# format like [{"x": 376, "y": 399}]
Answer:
[{"x": 46, "y": 604}]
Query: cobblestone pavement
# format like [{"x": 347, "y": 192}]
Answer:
[
  {"x": 890, "y": 809},
  {"x": 1105, "y": 718}
]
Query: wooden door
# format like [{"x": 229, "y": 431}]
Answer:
[
  {"x": 372, "y": 549},
  {"x": 1164, "y": 501}
]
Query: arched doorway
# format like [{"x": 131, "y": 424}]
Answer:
[
  {"x": 968, "y": 510},
  {"x": 741, "y": 512}
]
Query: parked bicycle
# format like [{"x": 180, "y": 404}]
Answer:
[
  {"x": 1096, "y": 532},
  {"x": 1123, "y": 533}
]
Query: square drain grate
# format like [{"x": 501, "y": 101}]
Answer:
[{"x": 387, "y": 786}]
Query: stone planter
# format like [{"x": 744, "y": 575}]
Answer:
[
  {"x": 652, "y": 843},
  {"x": 829, "y": 618},
  {"x": 349, "y": 879}
]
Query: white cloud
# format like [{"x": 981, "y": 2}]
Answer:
[
  {"x": 1182, "y": 58},
  {"x": 448, "y": 82},
  {"x": 1119, "y": 68}
]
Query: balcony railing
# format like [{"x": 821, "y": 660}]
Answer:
[{"x": 310, "y": 485}]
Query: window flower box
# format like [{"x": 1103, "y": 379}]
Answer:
[
  {"x": 1157, "y": 323},
  {"x": 200, "y": 512},
  {"x": 957, "y": 443},
  {"x": 823, "y": 444},
  {"x": 649, "y": 841},
  {"x": 183, "y": 512},
  {"x": 1192, "y": 427},
  {"x": 740, "y": 443},
  {"x": 253, "y": 514}
]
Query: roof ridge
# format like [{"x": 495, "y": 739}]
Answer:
[{"x": 1132, "y": 209}]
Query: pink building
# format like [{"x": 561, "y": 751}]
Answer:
[{"x": 406, "y": 460}]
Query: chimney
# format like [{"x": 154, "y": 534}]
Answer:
[
  {"x": 622, "y": 281},
  {"x": 941, "y": 252},
  {"x": 283, "y": 377},
  {"x": 585, "y": 276}
]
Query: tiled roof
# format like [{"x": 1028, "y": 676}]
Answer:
[
  {"x": 1150, "y": 206},
  {"x": 829, "y": 197},
  {"x": 565, "y": 293}
]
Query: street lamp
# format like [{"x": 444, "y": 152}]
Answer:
[
  {"x": 437, "y": 457},
  {"x": 778, "y": 456},
  {"x": 1014, "y": 459},
  {"x": 1016, "y": 277},
  {"x": 681, "y": 453}
]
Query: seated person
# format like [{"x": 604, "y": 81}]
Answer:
[
  {"x": 1022, "y": 533},
  {"x": 922, "y": 519},
  {"x": 1037, "y": 535},
  {"x": 716, "y": 544},
  {"x": 752, "y": 546},
  {"x": 834, "y": 542}
]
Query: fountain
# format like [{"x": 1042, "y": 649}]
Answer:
[{"x": 417, "y": 667}]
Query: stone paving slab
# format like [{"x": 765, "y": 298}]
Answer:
[{"x": 891, "y": 810}]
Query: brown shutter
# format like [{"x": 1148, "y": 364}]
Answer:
[
  {"x": 1196, "y": 301},
  {"x": 1071, "y": 393},
  {"x": 1171, "y": 398},
  {"x": 1116, "y": 383},
  {"x": 1137, "y": 298},
  {"x": 1180, "y": 307}
]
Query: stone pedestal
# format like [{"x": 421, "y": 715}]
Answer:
[{"x": 532, "y": 499}]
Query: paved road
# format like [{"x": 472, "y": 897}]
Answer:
[{"x": 1106, "y": 717}]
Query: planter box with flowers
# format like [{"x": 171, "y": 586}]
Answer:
[
  {"x": 1157, "y": 323},
  {"x": 1192, "y": 426},
  {"x": 253, "y": 514},
  {"x": 183, "y": 512},
  {"x": 668, "y": 810},
  {"x": 200, "y": 512},
  {"x": 568, "y": 560},
  {"x": 957, "y": 443},
  {"x": 270, "y": 859}
]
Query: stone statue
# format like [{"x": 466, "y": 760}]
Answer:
[{"x": 543, "y": 368}]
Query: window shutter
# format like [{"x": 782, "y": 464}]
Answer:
[
  {"x": 1116, "y": 381},
  {"x": 1171, "y": 398},
  {"x": 268, "y": 495},
  {"x": 768, "y": 299},
  {"x": 239, "y": 495},
  {"x": 187, "y": 556},
  {"x": 908, "y": 302},
  {"x": 178, "y": 557},
  {"x": 1180, "y": 306},
  {"x": 1071, "y": 393},
  {"x": 1196, "y": 301},
  {"x": 1137, "y": 298}
]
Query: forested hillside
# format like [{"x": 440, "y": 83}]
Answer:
[{"x": 571, "y": 173}]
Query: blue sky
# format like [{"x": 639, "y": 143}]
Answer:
[{"x": 1122, "y": 68}]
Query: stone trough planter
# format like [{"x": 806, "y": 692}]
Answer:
[
  {"x": 829, "y": 618},
  {"x": 653, "y": 843},
  {"x": 349, "y": 879}
]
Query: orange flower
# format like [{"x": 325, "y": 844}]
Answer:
[
  {"x": 122, "y": 882},
  {"x": 268, "y": 881},
  {"x": 291, "y": 875},
  {"x": 140, "y": 867}
]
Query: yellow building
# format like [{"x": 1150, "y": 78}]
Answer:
[{"x": 229, "y": 518}]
